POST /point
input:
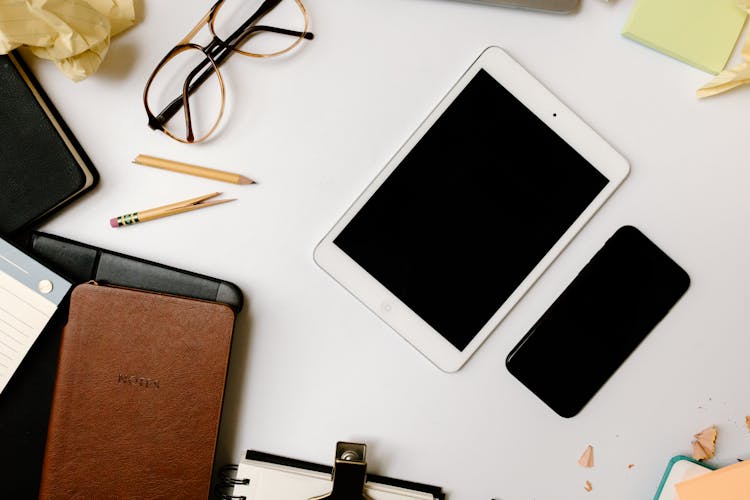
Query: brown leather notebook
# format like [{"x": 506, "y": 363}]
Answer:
[{"x": 138, "y": 396}]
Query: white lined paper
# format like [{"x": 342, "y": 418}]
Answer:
[{"x": 23, "y": 315}]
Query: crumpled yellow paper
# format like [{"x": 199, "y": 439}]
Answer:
[
  {"x": 733, "y": 77},
  {"x": 74, "y": 34}
]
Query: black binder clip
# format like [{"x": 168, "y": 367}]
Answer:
[{"x": 349, "y": 473}]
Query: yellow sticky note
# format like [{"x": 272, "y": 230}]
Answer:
[
  {"x": 729, "y": 79},
  {"x": 702, "y": 33},
  {"x": 727, "y": 483}
]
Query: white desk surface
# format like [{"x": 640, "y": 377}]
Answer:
[{"x": 311, "y": 365}]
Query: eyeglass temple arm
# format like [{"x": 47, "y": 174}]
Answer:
[
  {"x": 218, "y": 56},
  {"x": 241, "y": 32},
  {"x": 265, "y": 8},
  {"x": 223, "y": 51},
  {"x": 171, "y": 109}
]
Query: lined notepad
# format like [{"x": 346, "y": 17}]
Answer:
[
  {"x": 29, "y": 296},
  {"x": 702, "y": 33}
]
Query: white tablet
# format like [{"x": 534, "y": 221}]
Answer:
[{"x": 471, "y": 210}]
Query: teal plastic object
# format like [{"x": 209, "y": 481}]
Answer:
[{"x": 673, "y": 461}]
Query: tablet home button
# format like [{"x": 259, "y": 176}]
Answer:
[{"x": 386, "y": 306}]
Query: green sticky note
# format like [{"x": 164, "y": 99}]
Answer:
[{"x": 699, "y": 32}]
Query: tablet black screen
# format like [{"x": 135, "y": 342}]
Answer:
[{"x": 471, "y": 210}]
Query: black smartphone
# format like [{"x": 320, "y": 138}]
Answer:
[{"x": 600, "y": 318}]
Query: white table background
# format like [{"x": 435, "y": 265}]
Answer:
[{"x": 311, "y": 365}]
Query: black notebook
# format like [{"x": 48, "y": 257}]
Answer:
[
  {"x": 26, "y": 401},
  {"x": 42, "y": 166}
]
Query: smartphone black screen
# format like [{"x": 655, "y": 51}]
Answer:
[{"x": 600, "y": 318}]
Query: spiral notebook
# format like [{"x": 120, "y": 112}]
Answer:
[{"x": 262, "y": 476}]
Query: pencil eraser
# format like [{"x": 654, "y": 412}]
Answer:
[{"x": 113, "y": 222}]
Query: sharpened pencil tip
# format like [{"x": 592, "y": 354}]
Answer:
[{"x": 245, "y": 180}]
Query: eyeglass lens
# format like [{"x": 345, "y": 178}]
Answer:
[
  {"x": 204, "y": 106},
  {"x": 289, "y": 15}
]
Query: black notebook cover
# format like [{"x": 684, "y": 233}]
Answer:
[
  {"x": 42, "y": 166},
  {"x": 26, "y": 401}
]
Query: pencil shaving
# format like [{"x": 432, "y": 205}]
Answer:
[
  {"x": 587, "y": 459},
  {"x": 747, "y": 422},
  {"x": 588, "y": 486},
  {"x": 630, "y": 466},
  {"x": 704, "y": 446}
]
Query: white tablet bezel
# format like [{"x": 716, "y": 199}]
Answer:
[{"x": 553, "y": 113}]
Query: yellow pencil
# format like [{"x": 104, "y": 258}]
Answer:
[
  {"x": 166, "y": 210},
  {"x": 186, "y": 168}
]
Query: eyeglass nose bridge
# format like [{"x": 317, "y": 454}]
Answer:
[
  {"x": 214, "y": 43},
  {"x": 155, "y": 123}
]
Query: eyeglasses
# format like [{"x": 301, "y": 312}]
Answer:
[{"x": 188, "y": 66}]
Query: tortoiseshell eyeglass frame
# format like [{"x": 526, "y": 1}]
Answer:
[{"x": 215, "y": 52}]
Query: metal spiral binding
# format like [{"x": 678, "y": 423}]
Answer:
[{"x": 226, "y": 480}]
